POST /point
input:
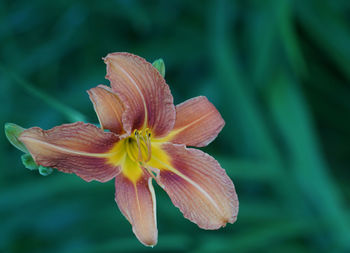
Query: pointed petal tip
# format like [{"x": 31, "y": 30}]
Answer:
[
  {"x": 108, "y": 107},
  {"x": 149, "y": 242},
  {"x": 230, "y": 220},
  {"x": 220, "y": 223}
]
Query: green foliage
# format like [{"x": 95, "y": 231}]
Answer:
[
  {"x": 12, "y": 132},
  {"x": 28, "y": 162},
  {"x": 278, "y": 71},
  {"x": 160, "y": 66},
  {"x": 45, "y": 171}
]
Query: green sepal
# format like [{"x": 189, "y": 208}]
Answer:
[
  {"x": 160, "y": 66},
  {"x": 28, "y": 162},
  {"x": 12, "y": 132},
  {"x": 45, "y": 171}
]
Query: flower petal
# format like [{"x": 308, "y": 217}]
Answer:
[
  {"x": 136, "y": 200},
  {"x": 197, "y": 123},
  {"x": 144, "y": 93},
  {"x": 73, "y": 148},
  {"x": 108, "y": 107},
  {"x": 198, "y": 186}
]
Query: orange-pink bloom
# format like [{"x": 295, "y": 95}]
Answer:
[{"x": 147, "y": 140}]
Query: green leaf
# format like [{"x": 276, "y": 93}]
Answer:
[
  {"x": 28, "y": 162},
  {"x": 12, "y": 132},
  {"x": 160, "y": 66},
  {"x": 45, "y": 171},
  {"x": 309, "y": 167}
]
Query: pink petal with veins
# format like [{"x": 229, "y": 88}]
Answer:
[{"x": 73, "y": 148}]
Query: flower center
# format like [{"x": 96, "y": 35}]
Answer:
[
  {"x": 137, "y": 155},
  {"x": 138, "y": 146}
]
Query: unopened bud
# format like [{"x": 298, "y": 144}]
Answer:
[
  {"x": 28, "y": 162},
  {"x": 45, "y": 171},
  {"x": 160, "y": 66},
  {"x": 12, "y": 132}
]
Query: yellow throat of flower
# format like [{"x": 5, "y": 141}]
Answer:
[{"x": 136, "y": 152}]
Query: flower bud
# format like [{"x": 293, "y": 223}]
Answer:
[
  {"x": 45, "y": 171},
  {"x": 160, "y": 66},
  {"x": 28, "y": 162},
  {"x": 12, "y": 132}
]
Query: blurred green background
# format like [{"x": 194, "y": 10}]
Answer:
[{"x": 279, "y": 73}]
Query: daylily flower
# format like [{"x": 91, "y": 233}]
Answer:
[{"x": 147, "y": 140}]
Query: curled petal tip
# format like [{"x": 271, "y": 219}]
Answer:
[{"x": 108, "y": 107}]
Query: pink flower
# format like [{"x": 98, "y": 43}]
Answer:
[{"x": 147, "y": 140}]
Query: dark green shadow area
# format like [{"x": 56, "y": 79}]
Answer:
[{"x": 279, "y": 73}]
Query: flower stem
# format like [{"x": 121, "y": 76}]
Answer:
[{"x": 71, "y": 114}]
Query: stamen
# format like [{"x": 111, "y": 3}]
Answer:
[
  {"x": 137, "y": 136},
  {"x": 144, "y": 147},
  {"x": 149, "y": 147},
  {"x": 146, "y": 138}
]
